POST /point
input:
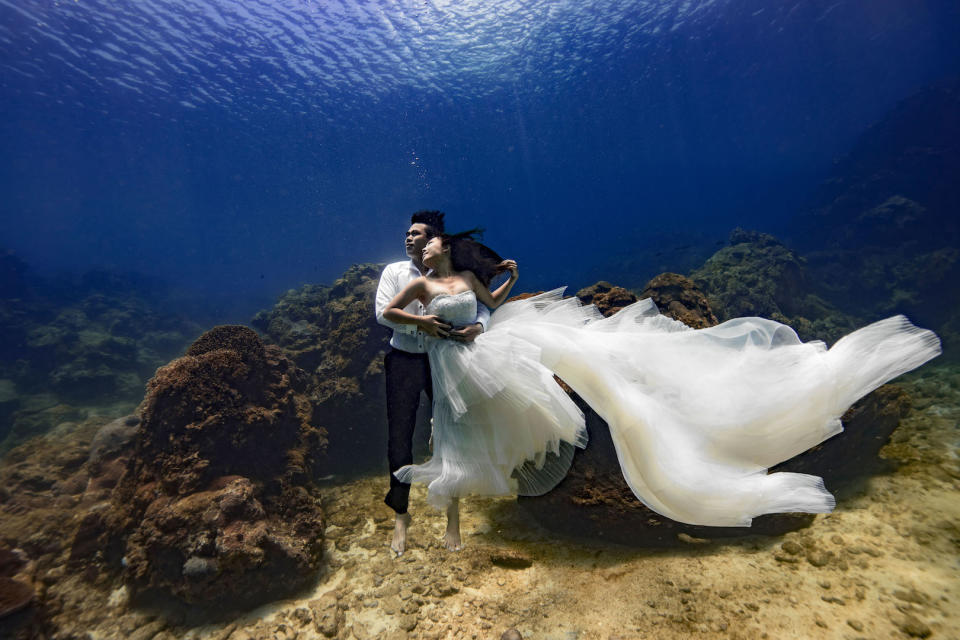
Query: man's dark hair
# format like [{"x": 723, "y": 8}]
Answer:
[{"x": 433, "y": 220}]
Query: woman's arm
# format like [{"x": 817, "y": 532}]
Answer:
[
  {"x": 494, "y": 299},
  {"x": 417, "y": 289}
]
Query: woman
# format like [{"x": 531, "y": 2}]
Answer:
[
  {"x": 696, "y": 416},
  {"x": 501, "y": 424}
]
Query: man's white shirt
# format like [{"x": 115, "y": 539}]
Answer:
[{"x": 408, "y": 337}]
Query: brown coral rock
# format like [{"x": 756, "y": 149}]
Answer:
[
  {"x": 14, "y": 596},
  {"x": 332, "y": 333},
  {"x": 606, "y": 297},
  {"x": 221, "y": 412},
  {"x": 216, "y": 503},
  {"x": 678, "y": 297}
]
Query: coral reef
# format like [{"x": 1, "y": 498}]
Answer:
[
  {"x": 77, "y": 343},
  {"x": 607, "y": 298},
  {"x": 332, "y": 333},
  {"x": 216, "y": 503},
  {"x": 758, "y": 276},
  {"x": 103, "y": 347},
  {"x": 883, "y": 234},
  {"x": 890, "y": 270},
  {"x": 678, "y": 297}
]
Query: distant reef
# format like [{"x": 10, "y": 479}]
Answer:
[
  {"x": 73, "y": 343},
  {"x": 883, "y": 234}
]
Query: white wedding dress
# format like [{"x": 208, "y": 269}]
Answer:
[{"x": 696, "y": 416}]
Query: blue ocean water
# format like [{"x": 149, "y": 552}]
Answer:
[{"x": 236, "y": 149}]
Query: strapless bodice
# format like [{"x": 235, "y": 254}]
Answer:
[{"x": 456, "y": 308}]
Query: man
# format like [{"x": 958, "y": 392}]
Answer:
[{"x": 406, "y": 366}]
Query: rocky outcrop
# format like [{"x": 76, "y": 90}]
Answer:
[
  {"x": 678, "y": 297},
  {"x": 756, "y": 275},
  {"x": 331, "y": 332},
  {"x": 607, "y": 298},
  {"x": 882, "y": 236},
  {"x": 216, "y": 503}
]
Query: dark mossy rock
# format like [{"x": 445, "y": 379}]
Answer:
[
  {"x": 238, "y": 409},
  {"x": 332, "y": 333},
  {"x": 237, "y": 338},
  {"x": 855, "y": 453},
  {"x": 217, "y": 503},
  {"x": 758, "y": 276},
  {"x": 10, "y": 562}
]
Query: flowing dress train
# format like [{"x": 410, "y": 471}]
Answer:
[{"x": 696, "y": 416}]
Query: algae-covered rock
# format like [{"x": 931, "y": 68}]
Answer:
[
  {"x": 607, "y": 298},
  {"x": 217, "y": 502},
  {"x": 678, "y": 297},
  {"x": 91, "y": 340},
  {"x": 332, "y": 333},
  {"x": 883, "y": 234},
  {"x": 758, "y": 276}
]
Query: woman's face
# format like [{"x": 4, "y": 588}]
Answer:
[{"x": 432, "y": 251}]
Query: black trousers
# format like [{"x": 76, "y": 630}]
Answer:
[{"x": 407, "y": 375}]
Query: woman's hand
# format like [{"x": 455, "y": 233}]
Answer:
[
  {"x": 434, "y": 326},
  {"x": 511, "y": 266}
]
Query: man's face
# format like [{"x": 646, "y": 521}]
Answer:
[{"x": 416, "y": 240}]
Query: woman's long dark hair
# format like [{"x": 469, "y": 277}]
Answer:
[{"x": 468, "y": 254}]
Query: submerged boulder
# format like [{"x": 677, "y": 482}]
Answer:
[
  {"x": 607, "y": 298},
  {"x": 331, "y": 332},
  {"x": 217, "y": 503},
  {"x": 756, "y": 275},
  {"x": 678, "y": 297},
  {"x": 14, "y": 596}
]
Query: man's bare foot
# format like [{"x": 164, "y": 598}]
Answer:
[
  {"x": 399, "y": 544},
  {"x": 451, "y": 539}
]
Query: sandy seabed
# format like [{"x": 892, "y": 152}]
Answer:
[{"x": 885, "y": 564}]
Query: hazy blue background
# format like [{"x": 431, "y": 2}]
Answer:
[{"x": 239, "y": 148}]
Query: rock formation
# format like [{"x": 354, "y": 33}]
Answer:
[
  {"x": 216, "y": 503},
  {"x": 331, "y": 332},
  {"x": 678, "y": 297},
  {"x": 756, "y": 275},
  {"x": 882, "y": 236}
]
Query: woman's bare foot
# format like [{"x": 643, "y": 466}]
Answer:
[
  {"x": 451, "y": 539},
  {"x": 399, "y": 544}
]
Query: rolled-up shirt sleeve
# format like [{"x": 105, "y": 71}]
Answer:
[
  {"x": 483, "y": 315},
  {"x": 387, "y": 290}
]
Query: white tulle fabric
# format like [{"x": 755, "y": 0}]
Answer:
[
  {"x": 696, "y": 416},
  {"x": 501, "y": 424}
]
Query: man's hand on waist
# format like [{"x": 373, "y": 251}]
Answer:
[{"x": 468, "y": 333}]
